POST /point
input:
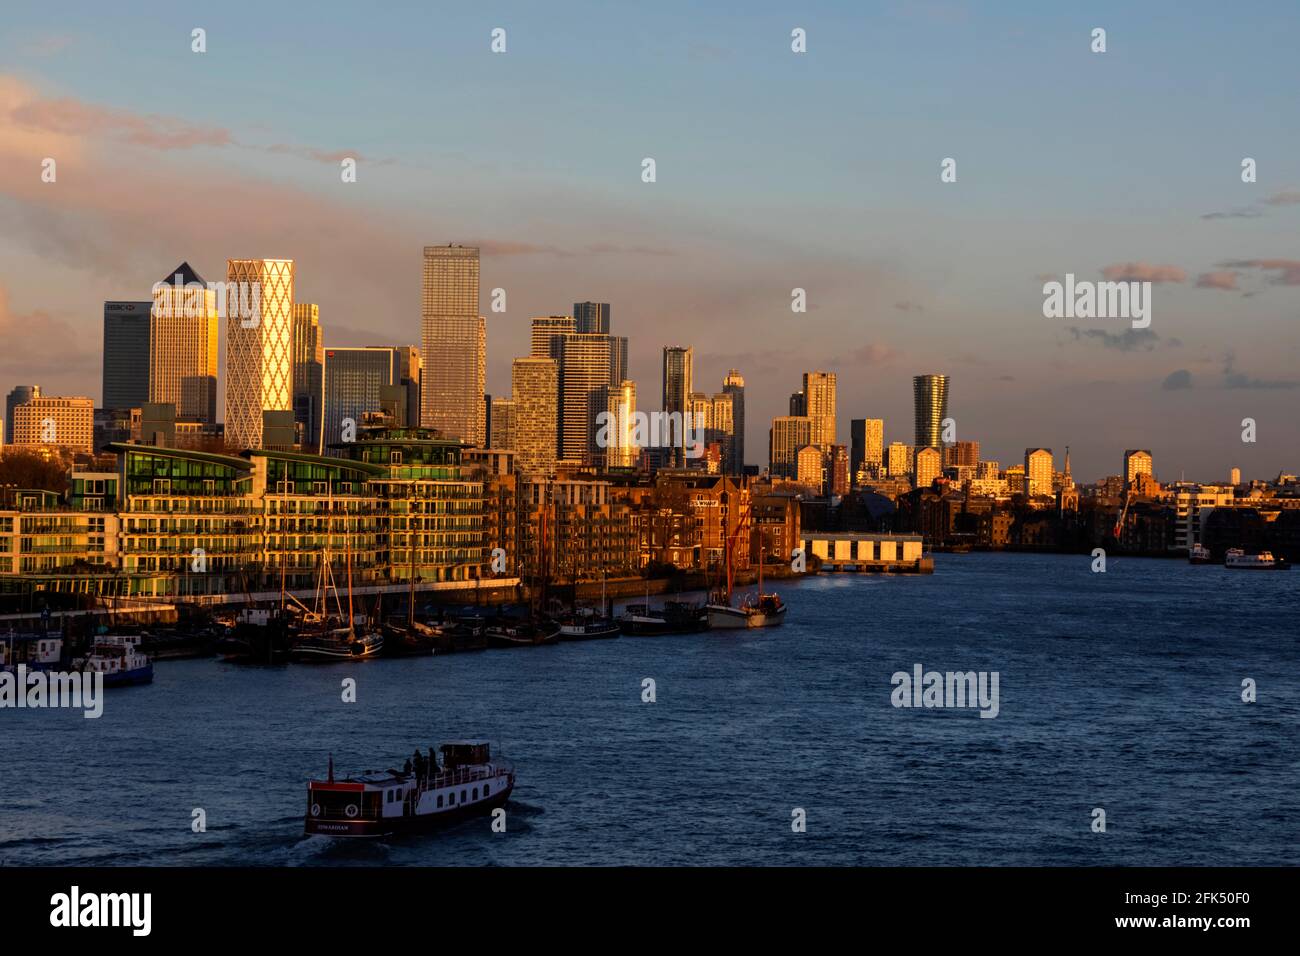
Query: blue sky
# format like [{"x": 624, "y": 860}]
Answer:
[{"x": 775, "y": 170}]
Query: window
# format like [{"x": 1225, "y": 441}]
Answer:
[
  {"x": 451, "y": 798},
  {"x": 462, "y": 796},
  {"x": 439, "y": 801},
  {"x": 476, "y": 793},
  {"x": 394, "y": 457},
  {"x": 487, "y": 788}
]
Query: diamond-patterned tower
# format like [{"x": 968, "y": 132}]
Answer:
[{"x": 259, "y": 345}]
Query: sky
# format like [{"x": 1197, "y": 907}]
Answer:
[{"x": 775, "y": 170}]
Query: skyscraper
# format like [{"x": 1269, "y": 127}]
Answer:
[
  {"x": 535, "y": 387},
  {"x": 930, "y": 401},
  {"x": 591, "y": 318},
  {"x": 308, "y": 359},
  {"x": 798, "y": 403},
  {"x": 354, "y": 383},
  {"x": 819, "y": 396},
  {"x": 789, "y": 434},
  {"x": 21, "y": 395},
  {"x": 1038, "y": 471},
  {"x": 56, "y": 421},
  {"x": 503, "y": 434},
  {"x": 183, "y": 345},
  {"x": 259, "y": 346},
  {"x": 453, "y": 345},
  {"x": 867, "y": 446},
  {"x": 1137, "y": 461},
  {"x": 677, "y": 386},
  {"x": 584, "y": 376},
  {"x": 734, "y": 385},
  {"x": 928, "y": 465},
  {"x": 547, "y": 333},
  {"x": 620, "y": 403},
  {"x": 126, "y": 356}
]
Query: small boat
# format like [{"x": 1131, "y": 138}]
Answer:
[
  {"x": 522, "y": 632},
  {"x": 413, "y": 639},
  {"x": 118, "y": 657},
  {"x": 1259, "y": 561},
  {"x": 335, "y": 641},
  {"x": 40, "y": 652},
  {"x": 760, "y": 610},
  {"x": 258, "y": 636},
  {"x": 675, "y": 617},
  {"x": 469, "y": 782},
  {"x": 1199, "y": 554},
  {"x": 584, "y": 627}
]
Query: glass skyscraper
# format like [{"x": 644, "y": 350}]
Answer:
[
  {"x": 930, "y": 397},
  {"x": 453, "y": 344}
]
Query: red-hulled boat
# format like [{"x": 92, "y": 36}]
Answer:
[{"x": 469, "y": 782}]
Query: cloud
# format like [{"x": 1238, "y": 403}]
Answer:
[
  {"x": 1287, "y": 197},
  {"x": 872, "y": 353},
  {"x": 49, "y": 44},
  {"x": 39, "y": 345},
  {"x": 1143, "y": 272},
  {"x": 907, "y": 306},
  {"x": 1225, "y": 279},
  {"x": 1130, "y": 340},
  {"x": 1245, "y": 212},
  {"x": 1240, "y": 380},
  {"x": 1288, "y": 270},
  {"x": 1177, "y": 380}
]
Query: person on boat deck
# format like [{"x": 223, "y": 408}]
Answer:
[
  {"x": 419, "y": 765},
  {"x": 407, "y": 769},
  {"x": 433, "y": 763}
]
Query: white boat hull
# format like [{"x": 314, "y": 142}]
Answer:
[{"x": 723, "y": 617}]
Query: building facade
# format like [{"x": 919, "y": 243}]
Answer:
[
  {"x": 259, "y": 347},
  {"x": 453, "y": 344}
]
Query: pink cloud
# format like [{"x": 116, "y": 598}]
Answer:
[
  {"x": 1288, "y": 270},
  {"x": 1143, "y": 272},
  {"x": 1226, "y": 280}
]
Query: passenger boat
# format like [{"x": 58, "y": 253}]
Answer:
[
  {"x": 1260, "y": 561},
  {"x": 675, "y": 617},
  {"x": 1199, "y": 554},
  {"x": 469, "y": 782},
  {"x": 118, "y": 658}
]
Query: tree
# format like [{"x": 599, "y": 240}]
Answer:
[{"x": 20, "y": 468}]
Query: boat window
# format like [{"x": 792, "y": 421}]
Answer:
[
  {"x": 476, "y": 793},
  {"x": 451, "y": 798},
  {"x": 487, "y": 787},
  {"x": 439, "y": 801},
  {"x": 462, "y": 796}
]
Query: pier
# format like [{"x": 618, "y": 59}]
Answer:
[{"x": 868, "y": 553}]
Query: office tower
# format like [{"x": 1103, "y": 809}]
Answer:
[
  {"x": 930, "y": 400},
  {"x": 798, "y": 403},
  {"x": 722, "y": 429},
  {"x": 535, "y": 387},
  {"x": 1234, "y": 476},
  {"x": 819, "y": 398},
  {"x": 838, "y": 468},
  {"x": 867, "y": 437},
  {"x": 21, "y": 395},
  {"x": 1038, "y": 471},
  {"x": 56, "y": 421},
  {"x": 621, "y": 449},
  {"x": 591, "y": 318},
  {"x": 126, "y": 355},
  {"x": 453, "y": 345},
  {"x": 617, "y": 359},
  {"x": 1137, "y": 461},
  {"x": 789, "y": 434},
  {"x": 407, "y": 374},
  {"x": 899, "y": 460},
  {"x": 259, "y": 346},
  {"x": 547, "y": 333},
  {"x": 678, "y": 370},
  {"x": 734, "y": 385},
  {"x": 354, "y": 383},
  {"x": 502, "y": 424},
  {"x": 928, "y": 465},
  {"x": 964, "y": 454},
  {"x": 584, "y": 375},
  {"x": 810, "y": 468},
  {"x": 307, "y": 355},
  {"x": 988, "y": 469},
  {"x": 183, "y": 325}
]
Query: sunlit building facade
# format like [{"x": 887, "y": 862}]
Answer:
[
  {"x": 930, "y": 405},
  {"x": 535, "y": 387},
  {"x": 453, "y": 344},
  {"x": 621, "y": 449},
  {"x": 259, "y": 347},
  {"x": 183, "y": 330}
]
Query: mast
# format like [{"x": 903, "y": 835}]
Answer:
[
  {"x": 410, "y": 603},
  {"x": 348, "y": 542}
]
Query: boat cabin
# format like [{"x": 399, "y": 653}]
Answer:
[{"x": 464, "y": 753}]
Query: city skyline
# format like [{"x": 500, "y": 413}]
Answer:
[{"x": 947, "y": 276}]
